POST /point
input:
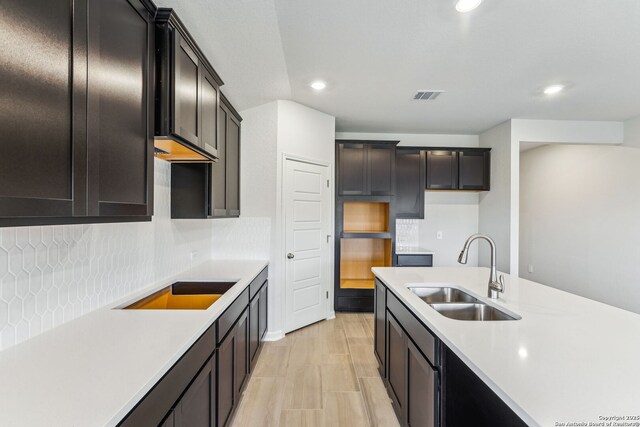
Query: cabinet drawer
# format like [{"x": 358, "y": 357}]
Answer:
[
  {"x": 414, "y": 260},
  {"x": 421, "y": 336},
  {"x": 257, "y": 283},
  {"x": 231, "y": 314}
]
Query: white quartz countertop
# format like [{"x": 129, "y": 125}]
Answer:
[
  {"x": 93, "y": 370},
  {"x": 568, "y": 360},
  {"x": 413, "y": 250}
]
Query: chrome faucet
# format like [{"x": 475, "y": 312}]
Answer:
[{"x": 496, "y": 285}]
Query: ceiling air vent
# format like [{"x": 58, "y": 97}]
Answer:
[{"x": 427, "y": 95}]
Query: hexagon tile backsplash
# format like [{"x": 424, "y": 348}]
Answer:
[{"x": 52, "y": 274}]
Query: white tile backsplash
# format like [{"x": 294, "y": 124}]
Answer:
[
  {"x": 242, "y": 238},
  {"x": 53, "y": 274}
]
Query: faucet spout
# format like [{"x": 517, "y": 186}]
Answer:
[{"x": 495, "y": 285}]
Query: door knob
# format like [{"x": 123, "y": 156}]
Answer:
[{"x": 290, "y": 255}]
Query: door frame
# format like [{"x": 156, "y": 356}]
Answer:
[{"x": 329, "y": 312}]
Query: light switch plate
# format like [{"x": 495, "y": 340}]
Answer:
[{"x": 439, "y": 235}]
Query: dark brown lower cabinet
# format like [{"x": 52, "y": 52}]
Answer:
[
  {"x": 197, "y": 406},
  {"x": 469, "y": 401},
  {"x": 254, "y": 328},
  {"x": 379, "y": 326},
  {"x": 263, "y": 312},
  {"x": 422, "y": 389},
  {"x": 396, "y": 359},
  {"x": 242, "y": 352},
  {"x": 226, "y": 386}
]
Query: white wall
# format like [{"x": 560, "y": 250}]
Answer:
[
  {"x": 455, "y": 214},
  {"x": 499, "y": 208},
  {"x": 415, "y": 139},
  {"x": 268, "y": 133},
  {"x": 495, "y": 219},
  {"x": 579, "y": 221},
  {"x": 632, "y": 132},
  {"x": 53, "y": 274}
]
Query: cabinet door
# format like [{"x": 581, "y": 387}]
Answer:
[
  {"x": 219, "y": 169},
  {"x": 242, "y": 351},
  {"x": 208, "y": 112},
  {"x": 226, "y": 378},
  {"x": 474, "y": 170},
  {"x": 263, "y": 311},
  {"x": 469, "y": 401},
  {"x": 169, "y": 421},
  {"x": 410, "y": 183},
  {"x": 233, "y": 166},
  {"x": 42, "y": 109},
  {"x": 196, "y": 407},
  {"x": 380, "y": 303},
  {"x": 396, "y": 359},
  {"x": 381, "y": 160},
  {"x": 254, "y": 328},
  {"x": 422, "y": 389},
  {"x": 186, "y": 91},
  {"x": 352, "y": 169},
  {"x": 442, "y": 170},
  {"x": 119, "y": 101}
]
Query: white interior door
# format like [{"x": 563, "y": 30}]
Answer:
[{"x": 307, "y": 223}]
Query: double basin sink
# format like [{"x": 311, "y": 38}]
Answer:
[{"x": 457, "y": 304}]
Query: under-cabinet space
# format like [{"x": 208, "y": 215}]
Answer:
[
  {"x": 358, "y": 256},
  {"x": 366, "y": 217},
  {"x": 211, "y": 190}
]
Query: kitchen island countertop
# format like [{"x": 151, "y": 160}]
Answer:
[{"x": 569, "y": 359}]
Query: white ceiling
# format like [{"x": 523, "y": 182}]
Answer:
[{"x": 374, "y": 55}]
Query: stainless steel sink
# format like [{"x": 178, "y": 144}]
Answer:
[
  {"x": 433, "y": 295},
  {"x": 471, "y": 311}
]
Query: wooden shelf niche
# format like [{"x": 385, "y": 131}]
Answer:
[
  {"x": 357, "y": 256},
  {"x": 366, "y": 217}
]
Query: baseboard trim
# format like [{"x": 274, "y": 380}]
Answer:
[
  {"x": 273, "y": 335},
  {"x": 331, "y": 315}
]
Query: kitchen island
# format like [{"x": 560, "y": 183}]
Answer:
[{"x": 566, "y": 359}]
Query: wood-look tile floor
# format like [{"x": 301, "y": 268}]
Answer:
[{"x": 322, "y": 375}]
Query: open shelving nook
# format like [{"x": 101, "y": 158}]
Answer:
[
  {"x": 366, "y": 217},
  {"x": 357, "y": 258}
]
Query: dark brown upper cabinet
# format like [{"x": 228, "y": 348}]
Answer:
[
  {"x": 410, "y": 183},
  {"x": 76, "y": 112},
  {"x": 459, "y": 169},
  {"x": 442, "y": 170},
  {"x": 211, "y": 190},
  {"x": 474, "y": 169},
  {"x": 226, "y": 172},
  {"x": 187, "y": 95},
  {"x": 366, "y": 168}
]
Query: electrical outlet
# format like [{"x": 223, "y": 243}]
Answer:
[
  {"x": 439, "y": 235},
  {"x": 530, "y": 268}
]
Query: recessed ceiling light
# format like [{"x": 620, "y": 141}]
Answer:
[
  {"x": 464, "y": 6},
  {"x": 553, "y": 89},
  {"x": 318, "y": 85}
]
